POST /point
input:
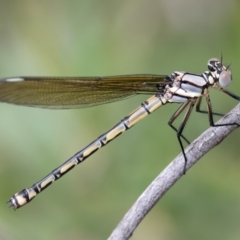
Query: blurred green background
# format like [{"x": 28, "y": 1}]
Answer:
[{"x": 87, "y": 38}]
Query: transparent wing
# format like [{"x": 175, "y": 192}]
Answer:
[{"x": 76, "y": 92}]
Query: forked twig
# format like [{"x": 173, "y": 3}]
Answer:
[{"x": 166, "y": 179}]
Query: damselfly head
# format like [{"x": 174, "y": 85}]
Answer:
[
  {"x": 213, "y": 64},
  {"x": 220, "y": 72}
]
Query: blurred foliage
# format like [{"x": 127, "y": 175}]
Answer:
[{"x": 85, "y": 38}]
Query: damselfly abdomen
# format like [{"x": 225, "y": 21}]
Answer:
[{"x": 77, "y": 92}]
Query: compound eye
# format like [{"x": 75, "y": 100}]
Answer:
[
  {"x": 212, "y": 64},
  {"x": 225, "y": 78}
]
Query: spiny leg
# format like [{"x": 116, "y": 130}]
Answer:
[
  {"x": 174, "y": 117},
  {"x": 232, "y": 95},
  {"x": 179, "y": 131},
  {"x": 210, "y": 113},
  {"x": 181, "y": 128},
  {"x": 198, "y": 108}
]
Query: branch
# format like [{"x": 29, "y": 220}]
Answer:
[{"x": 166, "y": 179}]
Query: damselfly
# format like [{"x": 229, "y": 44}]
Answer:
[{"x": 77, "y": 92}]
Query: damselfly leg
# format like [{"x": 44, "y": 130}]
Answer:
[
  {"x": 210, "y": 114},
  {"x": 199, "y": 110},
  {"x": 190, "y": 103}
]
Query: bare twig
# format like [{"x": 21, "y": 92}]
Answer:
[{"x": 166, "y": 179}]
